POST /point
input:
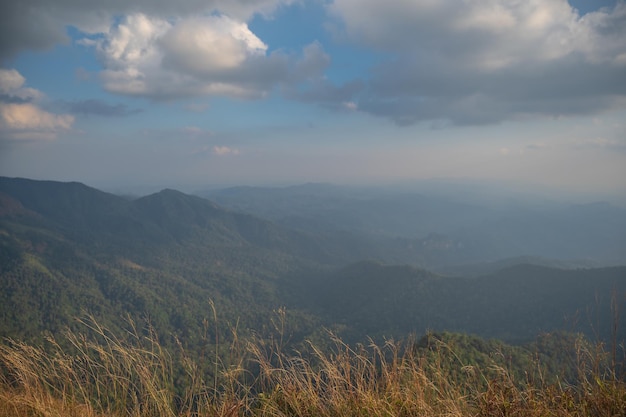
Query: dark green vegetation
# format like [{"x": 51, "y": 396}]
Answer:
[{"x": 68, "y": 250}]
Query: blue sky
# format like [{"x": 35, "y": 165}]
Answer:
[{"x": 223, "y": 92}]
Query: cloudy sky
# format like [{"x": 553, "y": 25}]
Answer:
[{"x": 147, "y": 92}]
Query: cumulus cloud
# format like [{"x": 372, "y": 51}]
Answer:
[
  {"x": 30, "y": 117},
  {"x": 162, "y": 50},
  {"x": 41, "y": 24},
  {"x": 162, "y": 59},
  {"x": 159, "y": 50},
  {"x": 209, "y": 45},
  {"x": 12, "y": 88},
  {"x": 477, "y": 62},
  {"x": 10, "y": 81},
  {"x": 21, "y": 117}
]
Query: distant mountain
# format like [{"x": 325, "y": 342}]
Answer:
[
  {"x": 363, "y": 209},
  {"x": 442, "y": 229},
  {"x": 87, "y": 214},
  {"x": 486, "y": 268},
  {"x": 67, "y": 250}
]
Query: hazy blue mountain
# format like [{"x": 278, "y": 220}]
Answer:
[
  {"x": 87, "y": 214},
  {"x": 441, "y": 229},
  {"x": 486, "y": 268}
]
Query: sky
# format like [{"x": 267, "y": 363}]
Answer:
[{"x": 196, "y": 93}]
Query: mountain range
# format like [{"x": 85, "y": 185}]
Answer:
[
  {"x": 439, "y": 227},
  {"x": 68, "y": 250}
]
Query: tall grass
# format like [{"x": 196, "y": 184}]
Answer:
[{"x": 102, "y": 375}]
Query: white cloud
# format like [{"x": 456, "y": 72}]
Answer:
[
  {"x": 10, "y": 81},
  {"x": 214, "y": 55},
  {"x": 505, "y": 58},
  {"x": 20, "y": 115},
  {"x": 29, "y": 122},
  {"x": 209, "y": 45},
  {"x": 38, "y": 25},
  {"x": 129, "y": 54},
  {"x": 12, "y": 87},
  {"x": 163, "y": 50},
  {"x": 225, "y": 150},
  {"x": 131, "y": 43}
]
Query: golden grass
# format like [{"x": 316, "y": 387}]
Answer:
[{"x": 106, "y": 376}]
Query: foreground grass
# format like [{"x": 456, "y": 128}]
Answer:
[{"x": 105, "y": 376}]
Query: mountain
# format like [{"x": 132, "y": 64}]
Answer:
[
  {"x": 71, "y": 250},
  {"x": 88, "y": 215},
  {"x": 68, "y": 250},
  {"x": 444, "y": 228},
  {"x": 486, "y": 268},
  {"x": 72, "y": 207}
]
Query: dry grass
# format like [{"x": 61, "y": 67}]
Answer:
[{"x": 105, "y": 376}]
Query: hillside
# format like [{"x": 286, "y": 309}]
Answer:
[
  {"x": 69, "y": 250},
  {"x": 514, "y": 304}
]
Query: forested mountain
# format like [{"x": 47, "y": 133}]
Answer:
[
  {"x": 68, "y": 250},
  {"x": 87, "y": 214}
]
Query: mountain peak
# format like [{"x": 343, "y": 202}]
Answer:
[{"x": 68, "y": 203}]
